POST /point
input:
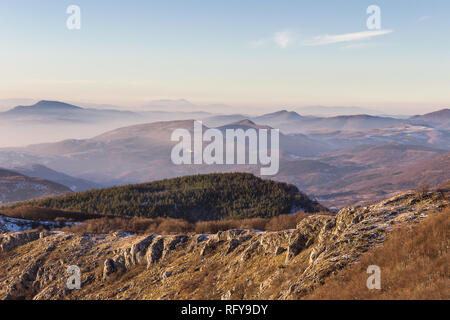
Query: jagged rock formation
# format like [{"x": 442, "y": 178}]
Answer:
[
  {"x": 235, "y": 264},
  {"x": 14, "y": 240}
]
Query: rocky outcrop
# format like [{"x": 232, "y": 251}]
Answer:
[
  {"x": 14, "y": 240},
  {"x": 113, "y": 265},
  {"x": 136, "y": 254},
  {"x": 20, "y": 288},
  {"x": 307, "y": 233},
  {"x": 234, "y": 264},
  {"x": 155, "y": 252}
]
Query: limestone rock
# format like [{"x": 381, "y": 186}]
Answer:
[
  {"x": 136, "y": 253},
  {"x": 246, "y": 255},
  {"x": 155, "y": 252},
  {"x": 14, "y": 240},
  {"x": 112, "y": 266},
  {"x": 209, "y": 246}
]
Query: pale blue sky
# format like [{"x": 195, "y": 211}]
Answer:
[{"x": 252, "y": 52}]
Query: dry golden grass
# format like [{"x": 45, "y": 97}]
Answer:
[
  {"x": 93, "y": 224},
  {"x": 414, "y": 264},
  {"x": 177, "y": 226}
]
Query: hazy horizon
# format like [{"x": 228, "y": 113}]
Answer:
[
  {"x": 272, "y": 55},
  {"x": 174, "y": 105}
]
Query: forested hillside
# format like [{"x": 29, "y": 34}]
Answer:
[{"x": 193, "y": 198}]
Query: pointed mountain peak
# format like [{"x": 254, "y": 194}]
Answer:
[
  {"x": 244, "y": 122},
  {"x": 47, "y": 104},
  {"x": 282, "y": 114}
]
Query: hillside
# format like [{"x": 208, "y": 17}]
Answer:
[
  {"x": 382, "y": 156},
  {"x": 340, "y": 167},
  {"x": 278, "y": 118},
  {"x": 439, "y": 119},
  {"x": 296, "y": 146},
  {"x": 123, "y": 155},
  {"x": 17, "y": 187},
  {"x": 414, "y": 263},
  {"x": 42, "y": 172},
  {"x": 193, "y": 198},
  {"x": 234, "y": 264},
  {"x": 378, "y": 183}
]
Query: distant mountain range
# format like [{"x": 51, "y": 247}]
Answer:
[
  {"x": 335, "y": 111},
  {"x": 47, "y": 121},
  {"x": 337, "y": 167},
  {"x": 59, "y": 111},
  {"x": 292, "y": 122},
  {"x": 319, "y": 111},
  {"x": 287, "y": 121},
  {"x": 137, "y": 153},
  {"x": 51, "y": 112},
  {"x": 341, "y": 160},
  {"x": 282, "y": 116}
]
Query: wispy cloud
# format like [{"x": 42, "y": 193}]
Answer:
[
  {"x": 347, "y": 37},
  {"x": 282, "y": 39}
]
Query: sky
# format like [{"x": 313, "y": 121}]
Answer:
[{"x": 253, "y": 53}]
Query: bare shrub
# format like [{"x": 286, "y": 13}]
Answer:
[
  {"x": 422, "y": 190},
  {"x": 179, "y": 226},
  {"x": 170, "y": 225},
  {"x": 283, "y": 222}
]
